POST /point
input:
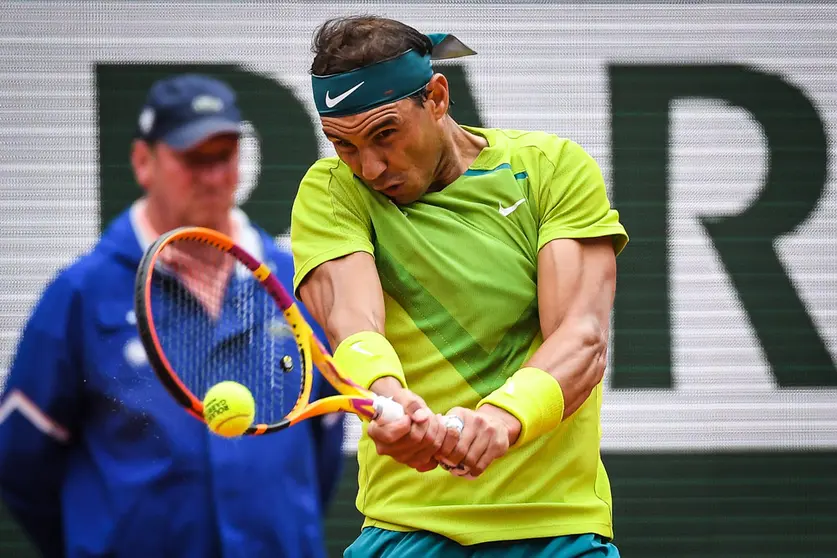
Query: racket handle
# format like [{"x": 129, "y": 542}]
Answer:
[{"x": 387, "y": 409}]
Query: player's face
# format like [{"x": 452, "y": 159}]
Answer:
[
  {"x": 195, "y": 187},
  {"x": 395, "y": 149}
]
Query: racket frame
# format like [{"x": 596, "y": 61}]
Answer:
[{"x": 353, "y": 398}]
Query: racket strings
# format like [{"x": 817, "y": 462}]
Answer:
[{"x": 215, "y": 322}]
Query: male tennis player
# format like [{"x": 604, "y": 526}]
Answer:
[
  {"x": 469, "y": 271},
  {"x": 100, "y": 461}
]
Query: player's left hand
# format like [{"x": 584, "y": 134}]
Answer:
[
  {"x": 412, "y": 439},
  {"x": 486, "y": 436}
]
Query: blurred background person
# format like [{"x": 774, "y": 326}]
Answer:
[{"x": 103, "y": 462}]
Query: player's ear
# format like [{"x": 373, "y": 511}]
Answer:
[
  {"x": 141, "y": 161},
  {"x": 438, "y": 95}
]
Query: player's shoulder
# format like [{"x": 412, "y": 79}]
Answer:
[
  {"x": 328, "y": 180},
  {"x": 513, "y": 139},
  {"x": 526, "y": 149},
  {"x": 326, "y": 172},
  {"x": 546, "y": 152},
  {"x": 545, "y": 144}
]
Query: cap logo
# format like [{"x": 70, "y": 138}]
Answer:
[
  {"x": 146, "y": 120},
  {"x": 207, "y": 103}
]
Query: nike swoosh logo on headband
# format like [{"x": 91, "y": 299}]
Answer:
[{"x": 331, "y": 103}]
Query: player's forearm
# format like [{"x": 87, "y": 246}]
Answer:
[
  {"x": 343, "y": 322},
  {"x": 345, "y": 297},
  {"x": 576, "y": 285},
  {"x": 575, "y": 355},
  {"x": 339, "y": 318},
  {"x": 554, "y": 383}
]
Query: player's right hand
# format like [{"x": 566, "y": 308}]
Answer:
[{"x": 412, "y": 439}]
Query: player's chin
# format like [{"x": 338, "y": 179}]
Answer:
[{"x": 404, "y": 198}]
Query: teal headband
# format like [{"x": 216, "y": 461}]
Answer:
[{"x": 383, "y": 82}]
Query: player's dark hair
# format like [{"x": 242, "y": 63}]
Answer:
[{"x": 344, "y": 44}]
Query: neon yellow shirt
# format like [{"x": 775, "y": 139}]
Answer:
[{"x": 459, "y": 270}]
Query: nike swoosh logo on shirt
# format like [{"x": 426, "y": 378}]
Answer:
[
  {"x": 506, "y": 211},
  {"x": 331, "y": 103}
]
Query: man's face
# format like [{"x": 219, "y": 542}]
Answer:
[
  {"x": 395, "y": 149},
  {"x": 195, "y": 187}
]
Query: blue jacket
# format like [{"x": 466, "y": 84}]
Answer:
[{"x": 136, "y": 475}]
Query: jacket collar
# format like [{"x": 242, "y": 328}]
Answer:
[{"x": 126, "y": 239}]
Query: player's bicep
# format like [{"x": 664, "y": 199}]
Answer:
[
  {"x": 576, "y": 283},
  {"x": 345, "y": 296}
]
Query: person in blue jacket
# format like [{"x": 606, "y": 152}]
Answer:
[{"x": 96, "y": 459}]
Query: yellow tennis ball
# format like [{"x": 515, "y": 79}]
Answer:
[{"x": 229, "y": 409}]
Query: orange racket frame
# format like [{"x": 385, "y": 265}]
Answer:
[{"x": 354, "y": 398}]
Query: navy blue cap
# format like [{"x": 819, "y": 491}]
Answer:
[{"x": 184, "y": 110}]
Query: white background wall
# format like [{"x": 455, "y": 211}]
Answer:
[{"x": 539, "y": 67}]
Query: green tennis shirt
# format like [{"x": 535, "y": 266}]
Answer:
[{"x": 459, "y": 274}]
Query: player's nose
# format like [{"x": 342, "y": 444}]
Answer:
[{"x": 372, "y": 166}]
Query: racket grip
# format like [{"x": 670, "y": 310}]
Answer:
[{"x": 387, "y": 409}]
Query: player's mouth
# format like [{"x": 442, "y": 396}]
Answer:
[{"x": 390, "y": 190}]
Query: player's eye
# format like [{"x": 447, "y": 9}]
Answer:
[
  {"x": 342, "y": 144},
  {"x": 386, "y": 134}
]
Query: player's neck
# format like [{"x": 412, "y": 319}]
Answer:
[{"x": 461, "y": 149}]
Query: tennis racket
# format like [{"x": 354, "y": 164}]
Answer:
[{"x": 208, "y": 311}]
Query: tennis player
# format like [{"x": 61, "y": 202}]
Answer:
[
  {"x": 467, "y": 271},
  {"x": 99, "y": 460}
]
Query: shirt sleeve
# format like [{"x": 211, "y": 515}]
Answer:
[
  {"x": 573, "y": 202},
  {"x": 329, "y": 219}
]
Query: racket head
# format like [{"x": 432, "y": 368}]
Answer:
[
  {"x": 208, "y": 311},
  {"x": 181, "y": 301}
]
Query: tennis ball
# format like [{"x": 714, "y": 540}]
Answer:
[{"x": 229, "y": 409}]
